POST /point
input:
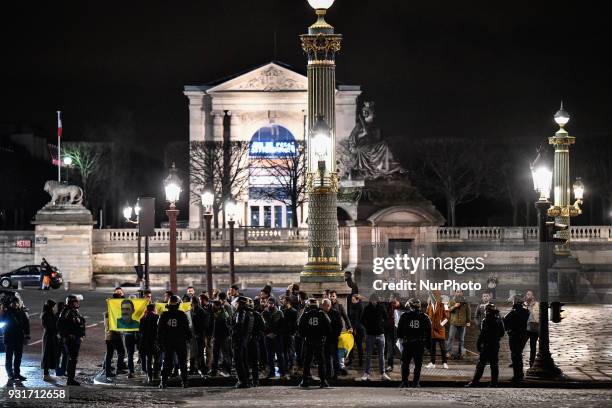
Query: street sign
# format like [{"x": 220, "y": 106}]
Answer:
[
  {"x": 41, "y": 240},
  {"x": 23, "y": 243}
]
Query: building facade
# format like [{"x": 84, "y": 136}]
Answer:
[{"x": 266, "y": 107}]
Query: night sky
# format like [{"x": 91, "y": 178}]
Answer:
[{"x": 436, "y": 68}]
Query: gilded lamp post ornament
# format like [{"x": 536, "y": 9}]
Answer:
[
  {"x": 321, "y": 45},
  {"x": 561, "y": 209}
]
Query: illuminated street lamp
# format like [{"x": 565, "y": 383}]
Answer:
[
  {"x": 544, "y": 365},
  {"x": 578, "y": 194},
  {"x": 172, "y": 185},
  {"x": 320, "y": 142},
  {"x": 320, "y": 4},
  {"x": 231, "y": 209},
  {"x": 542, "y": 180},
  {"x": 128, "y": 211},
  {"x": 562, "y": 117},
  {"x": 67, "y": 160},
  {"x": 208, "y": 200}
]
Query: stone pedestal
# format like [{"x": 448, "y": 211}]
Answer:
[
  {"x": 316, "y": 290},
  {"x": 63, "y": 236}
]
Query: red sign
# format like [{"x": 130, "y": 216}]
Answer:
[{"x": 23, "y": 243}]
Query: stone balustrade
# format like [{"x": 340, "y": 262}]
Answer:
[
  {"x": 271, "y": 235},
  {"x": 218, "y": 235},
  {"x": 577, "y": 233}
]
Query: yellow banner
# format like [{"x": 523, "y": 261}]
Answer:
[
  {"x": 161, "y": 307},
  {"x": 124, "y": 314}
]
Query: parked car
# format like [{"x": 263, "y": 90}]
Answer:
[{"x": 29, "y": 275}]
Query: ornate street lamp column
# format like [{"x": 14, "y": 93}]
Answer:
[
  {"x": 544, "y": 365},
  {"x": 172, "y": 185},
  {"x": 207, "y": 203},
  {"x": 562, "y": 210},
  {"x": 321, "y": 45},
  {"x": 230, "y": 210}
]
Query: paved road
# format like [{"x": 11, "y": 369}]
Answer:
[
  {"x": 88, "y": 396},
  {"x": 580, "y": 344}
]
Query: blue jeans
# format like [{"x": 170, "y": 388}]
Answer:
[
  {"x": 379, "y": 342},
  {"x": 456, "y": 331},
  {"x": 274, "y": 346}
]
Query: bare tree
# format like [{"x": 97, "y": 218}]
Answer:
[
  {"x": 222, "y": 168},
  {"x": 452, "y": 168},
  {"x": 288, "y": 172},
  {"x": 91, "y": 162},
  {"x": 510, "y": 177},
  {"x": 593, "y": 164}
]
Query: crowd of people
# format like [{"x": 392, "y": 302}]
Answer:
[{"x": 226, "y": 333}]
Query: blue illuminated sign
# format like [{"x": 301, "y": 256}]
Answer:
[{"x": 272, "y": 141}]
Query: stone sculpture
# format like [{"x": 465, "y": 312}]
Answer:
[
  {"x": 370, "y": 155},
  {"x": 63, "y": 194}
]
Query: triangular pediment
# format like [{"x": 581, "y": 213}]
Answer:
[{"x": 267, "y": 78}]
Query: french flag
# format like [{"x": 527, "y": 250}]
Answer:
[{"x": 59, "y": 124}]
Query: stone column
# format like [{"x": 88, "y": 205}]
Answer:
[
  {"x": 198, "y": 108},
  {"x": 217, "y": 117}
]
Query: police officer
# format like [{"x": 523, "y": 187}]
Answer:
[
  {"x": 313, "y": 326},
  {"x": 414, "y": 330},
  {"x": 491, "y": 331},
  {"x": 173, "y": 333},
  {"x": 253, "y": 344},
  {"x": 516, "y": 326},
  {"x": 71, "y": 325},
  {"x": 242, "y": 329},
  {"x": 16, "y": 335}
]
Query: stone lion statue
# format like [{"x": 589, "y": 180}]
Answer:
[{"x": 63, "y": 193}]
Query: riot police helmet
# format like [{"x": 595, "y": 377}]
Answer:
[
  {"x": 312, "y": 303},
  {"x": 413, "y": 304},
  {"x": 71, "y": 300},
  {"x": 491, "y": 308}
]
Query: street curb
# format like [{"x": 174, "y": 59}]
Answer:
[{"x": 230, "y": 382}]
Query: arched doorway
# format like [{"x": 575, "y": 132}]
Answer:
[{"x": 269, "y": 150}]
